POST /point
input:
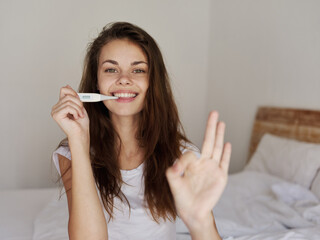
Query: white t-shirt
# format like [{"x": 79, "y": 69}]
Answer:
[{"x": 138, "y": 223}]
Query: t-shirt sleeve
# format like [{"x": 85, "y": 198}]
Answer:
[
  {"x": 192, "y": 148},
  {"x": 62, "y": 150}
]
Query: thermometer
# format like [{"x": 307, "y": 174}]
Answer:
[{"x": 94, "y": 97}]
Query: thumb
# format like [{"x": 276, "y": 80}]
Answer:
[{"x": 175, "y": 173}]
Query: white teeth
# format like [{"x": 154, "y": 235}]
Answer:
[{"x": 125, "y": 95}]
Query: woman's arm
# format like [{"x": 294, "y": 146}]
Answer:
[
  {"x": 205, "y": 229},
  {"x": 197, "y": 184},
  {"x": 86, "y": 217},
  {"x": 87, "y": 220}
]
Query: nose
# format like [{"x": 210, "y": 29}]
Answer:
[{"x": 124, "y": 80}]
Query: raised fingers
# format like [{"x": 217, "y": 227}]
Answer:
[
  {"x": 225, "y": 160},
  {"x": 209, "y": 138},
  {"x": 218, "y": 145}
]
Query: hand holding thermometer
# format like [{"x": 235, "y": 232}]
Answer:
[{"x": 94, "y": 97}]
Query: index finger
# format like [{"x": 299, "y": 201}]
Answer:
[
  {"x": 225, "y": 161},
  {"x": 209, "y": 138},
  {"x": 67, "y": 90}
]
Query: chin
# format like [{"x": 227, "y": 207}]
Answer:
[{"x": 124, "y": 113}]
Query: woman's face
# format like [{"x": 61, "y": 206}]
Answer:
[{"x": 123, "y": 72}]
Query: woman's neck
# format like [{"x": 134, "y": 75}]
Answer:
[{"x": 131, "y": 155}]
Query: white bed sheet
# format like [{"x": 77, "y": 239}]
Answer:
[
  {"x": 254, "y": 206},
  {"x": 19, "y": 209}
]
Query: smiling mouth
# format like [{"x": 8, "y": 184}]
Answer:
[{"x": 125, "y": 95}]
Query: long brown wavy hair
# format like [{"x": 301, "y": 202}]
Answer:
[{"x": 159, "y": 133}]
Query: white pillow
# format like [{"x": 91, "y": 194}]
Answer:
[
  {"x": 289, "y": 159},
  {"x": 315, "y": 187}
]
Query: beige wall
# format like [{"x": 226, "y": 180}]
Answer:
[
  {"x": 262, "y": 53},
  {"x": 42, "y": 45},
  {"x": 231, "y": 56}
]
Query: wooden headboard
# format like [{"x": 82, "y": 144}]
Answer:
[{"x": 299, "y": 124}]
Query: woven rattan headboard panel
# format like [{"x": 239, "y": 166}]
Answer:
[{"x": 299, "y": 124}]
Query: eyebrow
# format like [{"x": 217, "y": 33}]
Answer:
[{"x": 116, "y": 63}]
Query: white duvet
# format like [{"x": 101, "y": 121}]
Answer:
[
  {"x": 254, "y": 206},
  {"x": 260, "y": 206}
]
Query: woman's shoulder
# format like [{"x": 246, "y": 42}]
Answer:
[
  {"x": 188, "y": 146},
  {"x": 62, "y": 150}
]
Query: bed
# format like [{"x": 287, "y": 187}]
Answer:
[
  {"x": 20, "y": 208},
  {"x": 276, "y": 196}
]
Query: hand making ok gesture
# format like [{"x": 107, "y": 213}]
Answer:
[{"x": 197, "y": 184}]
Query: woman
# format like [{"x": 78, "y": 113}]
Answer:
[{"x": 133, "y": 170}]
